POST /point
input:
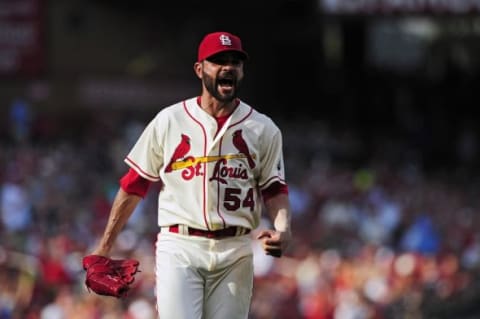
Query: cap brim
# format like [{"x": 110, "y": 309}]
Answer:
[{"x": 242, "y": 54}]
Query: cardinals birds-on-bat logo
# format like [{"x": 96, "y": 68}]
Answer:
[
  {"x": 180, "y": 151},
  {"x": 242, "y": 147}
]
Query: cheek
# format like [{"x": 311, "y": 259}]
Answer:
[
  {"x": 240, "y": 72},
  {"x": 240, "y": 76},
  {"x": 208, "y": 73}
]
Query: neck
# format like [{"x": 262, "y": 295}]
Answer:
[{"x": 216, "y": 108}]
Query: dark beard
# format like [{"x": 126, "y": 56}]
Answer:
[{"x": 211, "y": 87}]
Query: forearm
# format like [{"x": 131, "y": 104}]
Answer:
[
  {"x": 122, "y": 209},
  {"x": 278, "y": 209},
  {"x": 275, "y": 242}
]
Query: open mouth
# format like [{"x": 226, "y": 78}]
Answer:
[{"x": 226, "y": 82}]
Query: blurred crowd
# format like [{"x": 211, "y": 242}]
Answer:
[{"x": 375, "y": 237}]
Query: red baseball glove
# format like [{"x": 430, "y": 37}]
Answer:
[{"x": 109, "y": 277}]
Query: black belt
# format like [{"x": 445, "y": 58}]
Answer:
[{"x": 220, "y": 233}]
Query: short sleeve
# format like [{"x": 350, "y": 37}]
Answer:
[
  {"x": 146, "y": 155},
  {"x": 272, "y": 166}
]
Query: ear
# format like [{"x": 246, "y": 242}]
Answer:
[{"x": 197, "y": 67}]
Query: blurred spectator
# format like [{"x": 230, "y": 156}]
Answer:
[
  {"x": 15, "y": 207},
  {"x": 421, "y": 236},
  {"x": 21, "y": 119}
]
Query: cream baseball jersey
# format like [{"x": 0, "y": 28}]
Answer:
[{"x": 212, "y": 179}]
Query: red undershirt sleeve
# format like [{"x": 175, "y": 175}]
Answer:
[
  {"x": 132, "y": 183},
  {"x": 273, "y": 190}
]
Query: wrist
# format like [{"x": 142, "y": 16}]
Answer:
[{"x": 100, "y": 252}]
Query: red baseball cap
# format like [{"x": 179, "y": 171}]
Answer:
[{"x": 217, "y": 42}]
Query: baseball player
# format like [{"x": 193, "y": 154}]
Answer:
[{"x": 219, "y": 161}]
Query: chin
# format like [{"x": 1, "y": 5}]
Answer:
[{"x": 226, "y": 98}]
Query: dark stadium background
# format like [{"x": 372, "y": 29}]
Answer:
[{"x": 377, "y": 103}]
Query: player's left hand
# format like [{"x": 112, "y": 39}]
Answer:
[
  {"x": 274, "y": 242},
  {"x": 109, "y": 277}
]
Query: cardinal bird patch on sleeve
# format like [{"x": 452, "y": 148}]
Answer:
[{"x": 181, "y": 150}]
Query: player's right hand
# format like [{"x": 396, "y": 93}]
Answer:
[{"x": 274, "y": 243}]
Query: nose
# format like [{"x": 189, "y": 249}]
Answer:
[{"x": 228, "y": 65}]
